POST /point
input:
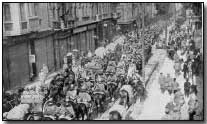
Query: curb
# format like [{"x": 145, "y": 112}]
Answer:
[{"x": 152, "y": 71}]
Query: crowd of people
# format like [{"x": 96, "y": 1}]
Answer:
[
  {"x": 87, "y": 84},
  {"x": 90, "y": 82},
  {"x": 187, "y": 64}
]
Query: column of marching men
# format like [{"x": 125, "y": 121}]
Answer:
[{"x": 87, "y": 84}]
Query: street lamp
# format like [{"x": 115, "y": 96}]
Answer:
[
  {"x": 104, "y": 30},
  {"x": 143, "y": 47},
  {"x": 142, "y": 40}
]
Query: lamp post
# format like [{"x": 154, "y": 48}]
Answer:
[{"x": 142, "y": 40}]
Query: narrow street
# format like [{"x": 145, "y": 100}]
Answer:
[{"x": 102, "y": 61}]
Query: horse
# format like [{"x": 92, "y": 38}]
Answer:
[
  {"x": 99, "y": 99},
  {"x": 84, "y": 103},
  {"x": 9, "y": 101},
  {"x": 124, "y": 98},
  {"x": 81, "y": 110},
  {"x": 111, "y": 88},
  {"x": 55, "y": 92}
]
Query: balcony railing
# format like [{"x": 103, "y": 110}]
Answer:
[
  {"x": 70, "y": 24},
  {"x": 85, "y": 18},
  {"x": 24, "y": 25}
]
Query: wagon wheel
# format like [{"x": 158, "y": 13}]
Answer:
[{"x": 30, "y": 117}]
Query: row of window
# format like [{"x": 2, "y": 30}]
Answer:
[
  {"x": 73, "y": 10},
  {"x": 86, "y": 9},
  {"x": 32, "y": 10}
]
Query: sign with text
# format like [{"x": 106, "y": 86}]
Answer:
[
  {"x": 91, "y": 26},
  {"x": 32, "y": 58},
  {"x": 81, "y": 29}
]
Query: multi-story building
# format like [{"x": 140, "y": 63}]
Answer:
[
  {"x": 23, "y": 18},
  {"x": 131, "y": 14},
  {"x": 21, "y": 21},
  {"x": 126, "y": 21},
  {"x": 42, "y": 33}
]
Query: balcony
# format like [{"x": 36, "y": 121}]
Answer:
[
  {"x": 8, "y": 28},
  {"x": 24, "y": 27},
  {"x": 34, "y": 23},
  {"x": 86, "y": 18}
]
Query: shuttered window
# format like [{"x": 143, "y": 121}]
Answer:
[
  {"x": 19, "y": 65},
  {"x": 7, "y": 12}
]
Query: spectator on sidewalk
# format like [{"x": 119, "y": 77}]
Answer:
[
  {"x": 193, "y": 89},
  {"x": 193, "y": 107},
  {"x": 176, "y": 57},
  {"x": 177, "y": 68},
  {"x": 168, "y": 83},
  {"x": 190, "y": 71},
  {"x": 161, "y": 82},
  {"x": 187, "y": 86},
  {"x": 197, "y": 62},
  {"x": 175, "y": 86},
  {"x": 185, "y": 70}
]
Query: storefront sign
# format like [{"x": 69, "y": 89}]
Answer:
[
  {"x": 81, "y": 29},
  {"x": 105, "y": 25},
  {"x": 91, "y": 26},
  {"x": 32, "y": 58}
]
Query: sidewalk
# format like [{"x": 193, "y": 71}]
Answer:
[
  {"x": 199, "y": 79},
  {"x": 156, "y": 58},
  {"x": 152, "y": 69}
]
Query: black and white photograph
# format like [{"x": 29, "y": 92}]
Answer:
[{"x": 72, "y": 61}]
